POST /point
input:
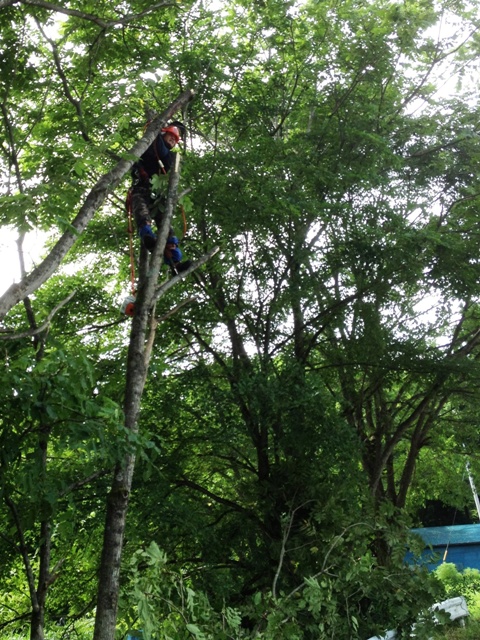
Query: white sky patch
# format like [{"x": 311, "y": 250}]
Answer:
[
  {"x": 33, "y": 246},
  {"x": 449, "y": 76}
]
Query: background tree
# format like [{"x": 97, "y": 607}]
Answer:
[{"x": 300, "y": 385}]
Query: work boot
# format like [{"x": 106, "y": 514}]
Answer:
[
  {"x": 179, "y": 267},
  {"x": 148, "y": 237}
]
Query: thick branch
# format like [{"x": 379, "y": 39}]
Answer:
[
  {"x": 175, "y": 309},
  {"x": 105, "y": 24}
]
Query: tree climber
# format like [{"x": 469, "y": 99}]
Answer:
[{"x": 156, "y": 160}]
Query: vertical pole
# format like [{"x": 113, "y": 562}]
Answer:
[{"x": 474, "y": 490}]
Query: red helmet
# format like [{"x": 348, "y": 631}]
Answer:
[{"x": 174, "y": 131}]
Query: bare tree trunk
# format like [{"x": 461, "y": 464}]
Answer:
[
  {"x": 37, "y": 621},
  {"x": 37, "y": 613},
  {"x": 137, "y": 366},
  {"x": 38, "y": 595}
]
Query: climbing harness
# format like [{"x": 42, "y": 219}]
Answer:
[{"x": 130, "y": 235}]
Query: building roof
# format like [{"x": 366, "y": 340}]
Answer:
[{"x": 453, "y": 535}]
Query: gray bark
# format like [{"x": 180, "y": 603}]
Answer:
[{"x": 137, "y": 366}]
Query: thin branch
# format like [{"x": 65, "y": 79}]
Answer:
[
  {"x": 336, "y": 540},
  {"x": 184, "y": 482},
  {"x": 284, "y": 547},
  {"x": 43, "y": 326},
  {"x": 21, "y": 616},
  {"x": 77, "y": 104},
  {"x": 130, "y": 17},
  {"x": 170, "y": 283},
  {"x": 24, "y": 551},
  {"x": 175, "y": 309},
  {"x": 438, "y": 147},
  {"x": 437, "y": 58},
  {"x": 83, "y": 482}
]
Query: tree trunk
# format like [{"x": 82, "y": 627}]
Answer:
[
  {"x": 37, "y": 621},
  {"x": 109, "y": 575},
  {"x": 137, "y": 366}
]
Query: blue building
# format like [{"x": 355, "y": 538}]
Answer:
[{"x": 459, "y": 544}]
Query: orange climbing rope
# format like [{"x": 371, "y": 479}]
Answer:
[{"x": 130, "y": 236}]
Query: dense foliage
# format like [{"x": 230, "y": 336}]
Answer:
[{"x": 318, "y": 381}]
